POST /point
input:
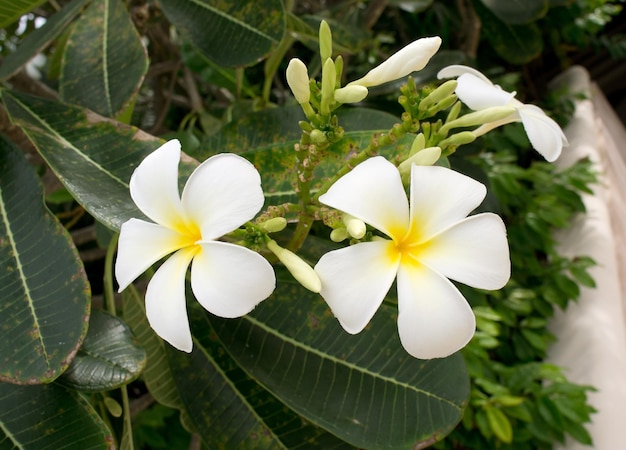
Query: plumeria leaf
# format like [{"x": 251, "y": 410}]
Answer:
[
  {"x": 49, "y": 417},
  {"x": 253, "y": 27},
  {"x": 365, "y": 388},
  {"x": 109, "y": 358},
  {"x": 517, "y": 44},
  {"x": 13, "y": 10},
  {"x": 44, "y": 293},
  {"x": 40, "y": 38},
  {"x": 516, "y": 12},
  {"x": 267, "y": 138},
  {"x": 93, "y": 156},
  {"x": 104, "y": 61}
]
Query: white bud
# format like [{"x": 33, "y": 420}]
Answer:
[
  {"x": 339, "y": 234},
  {"x": 409, "y": 59},
  {"x": 298, "y": 80},
  {"x": 425, "y": 157},
  {"x": 274, "y": 224},
  {"x": 299, "y": 269},
  {"x": 351, "y": 94},
  {"x": 356, "y": 227}
]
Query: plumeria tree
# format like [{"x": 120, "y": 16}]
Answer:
[{"x": 311, "y": 274}]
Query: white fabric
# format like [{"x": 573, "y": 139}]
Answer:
[{"x": 591, "y": 336}]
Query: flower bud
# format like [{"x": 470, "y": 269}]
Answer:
[
  {"x": 409, "y": 59},
  {"x": 443, "y": 91},
  {"x": 329, "y": 78},
  {"x": 298, "y": 80},
  {"x": 483, "y": 116},
  {"x": 339, "y": 234},
  {"x": 351, "y": 94},
  {"x": 464, "y": 137},
  {"x": 299, "y": 269},
  {"x": 273, "y": 225},
  {"x": 318, "y": 137},
  {"x": 418, "y": 144},
  {"x": 425, "y": 157},
  {"x": 355, "y": 227},
  {"x": 326, "y": 41}
]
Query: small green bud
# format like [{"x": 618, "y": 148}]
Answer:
[
  {"x": 326, "y": 41},
  {"x": 318, "y": 137},
  {"x": 443, "y": 104},
  {"x": 338, "y": 69},
  {"x": 443, "y": 91},
  {"x": 305, "y": 126},
  {"x": 479, "y": 117},
  {"x": 464, "y": 137},
  {"x": 299, "y": 269},
  {"x": 339, "y": 234},
  {"x": 328, "y": 85},
  {"x": 418, "y": 144},
  {"x": 274, "y": 224},
  {"x": 350, "y": 94}
]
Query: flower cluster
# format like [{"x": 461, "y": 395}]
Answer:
[{"x": 422, "y": 240}]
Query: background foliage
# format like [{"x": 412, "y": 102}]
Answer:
[{"x": 118, "y": 78}]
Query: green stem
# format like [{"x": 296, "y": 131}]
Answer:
[{"x": 109, "y": 292}]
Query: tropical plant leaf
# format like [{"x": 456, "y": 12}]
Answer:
[
  {"x": 49, "y": 417},
  {"x": 40, "y": 38},
  {"x": 365, "y": 389},
  {"x": 44, "y": 293},
  {"x": 11, "y": 11},
  {"x": 267, "y": 139},
  {"x": 109, "y": 358},
  {"x": 517, "y": 44},
  {"x": 517, "y": 12},
  {"x": 104, "y": 61},
  {"x": 229, "y": 33},
  {"x": 93, "y": 156}
]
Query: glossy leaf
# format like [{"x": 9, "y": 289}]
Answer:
[
  {"x": 267, "y": 138},
  {"x": 11, "y": 11},
  {"x": 517, "y": 12},
  {"x": 104, "y": 61},
  {"x": 93, "y": 156},
  {"x": 40, "y": 38},
  {"x": 44, "y": 293},
  {"x": 49, "y": 417},
  {"x": 109, "y": 358},
  {"x": 365, "y": 388},
  {"x": 229, "y": 33}
]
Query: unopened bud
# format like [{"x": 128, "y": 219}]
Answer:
[
  {"x": 339, "y": 234},
  {"x": 425, "y": 157},
  {"x": 350, "y": 94},
  {"x": 443, "y": 91},
  {"x": 329, "y": 78},
  {"x": 464, "y": 137},
  {"x": 299, "y": 269},
  {"x": 355, "y": 227},
  {"x": 418, "y": 144},
  {"x": 298, "y": 80},
  {"x": 483, "y": 116},
  {"x": 326, "y": 41},
  {"x": 318, "y": 137},
  {"x": 273, "y": 225}
]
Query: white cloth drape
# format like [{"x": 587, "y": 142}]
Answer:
[{"x": 591, "y": 334}]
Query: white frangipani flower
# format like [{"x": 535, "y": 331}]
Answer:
[
  {"x": 408, "y": 59},
  {"x": 478, "y": 92},
  {"x": 429, "y": 239},
  {"x": 228, "y": 280}
]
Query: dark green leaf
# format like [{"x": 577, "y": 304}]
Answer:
[
  {"x": 44, "y": 293},
  {"x": 229, "y": 33},
  {"x": 104, "y": 61},
  {"x": 49, "y": 417},
  {"x": 93, "y": 156},
  {"x": 110, "y": 356},
  {"x": 517, "y": 11},
  {"x": 365, "y": 389},
  {"x": 11, "y": 11},
  {"x": 38, "y": 39}
]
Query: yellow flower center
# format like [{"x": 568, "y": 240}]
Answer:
[{"x": 410, "y": 246}]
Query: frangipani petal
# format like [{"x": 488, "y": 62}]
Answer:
[
  {"x": 474, "y": 251},
  {"x": 434, "y": 319},
  {"x": 355, "y": 281},
  {"x": 372, "y": 192},
  {"x": 409, "y": 59},
  {"x": 154, "y": 185},
  {"x": 478, "y": 94},
  {"x": 441, "y": 197},
  {"x": 229, "y": 280},
  {"x": 222, "y": 193},
  {"x": 165, "y": 300},
  {"x": 140, "y": 245},
  {"x": 544, "y": 134},
  {"x": 456, "y": 70}
]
